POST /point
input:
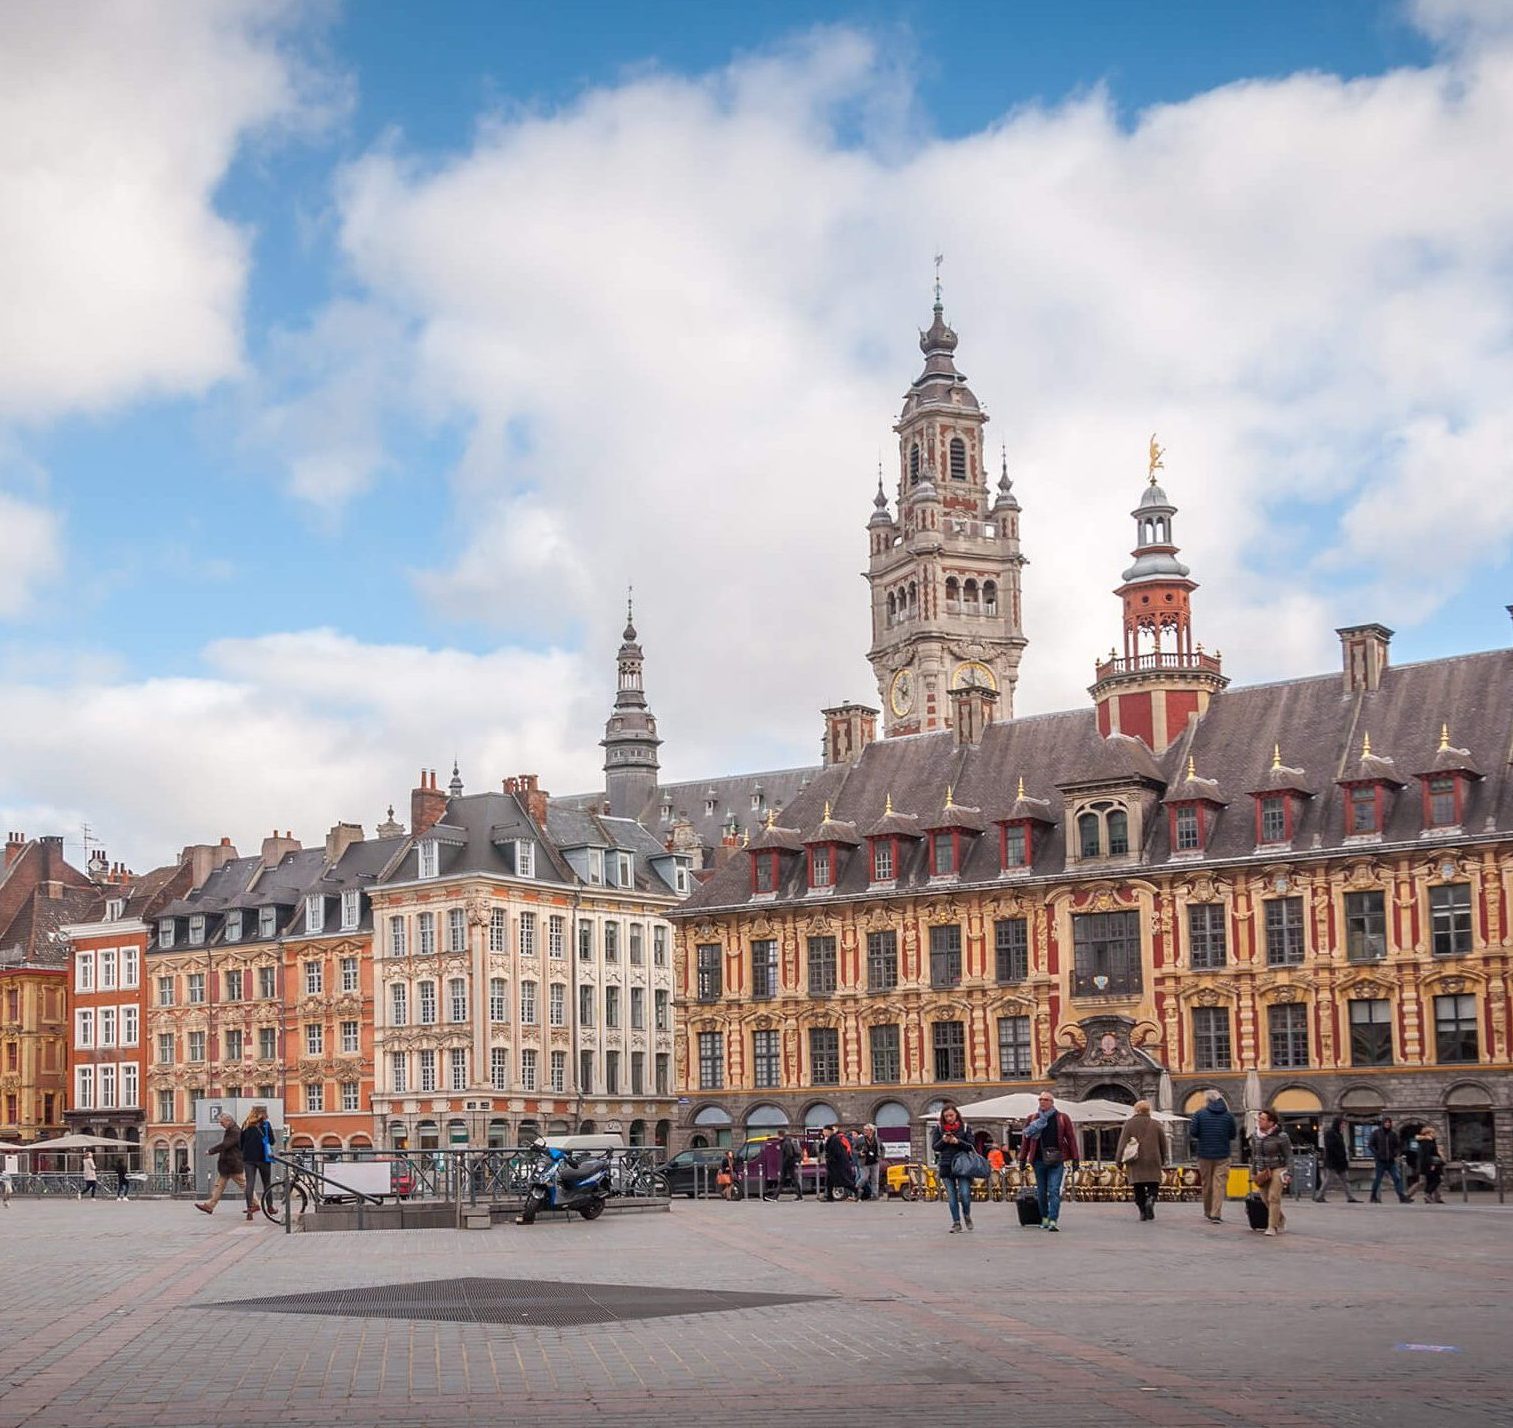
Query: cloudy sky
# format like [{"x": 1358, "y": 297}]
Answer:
[{"x": 353, "y": 362}]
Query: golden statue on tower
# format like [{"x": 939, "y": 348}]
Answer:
[{"x": 1156, "y": 453}]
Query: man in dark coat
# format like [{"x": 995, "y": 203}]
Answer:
[
  {"x": 1386, "y": 1147},
  {"x": 792, "y": 1158},
  {"x": 1212, "y": 1133},
  {"x": 840, "y": 1168},
  {"x": 1336, "y": 1162},
  {"x": 228, "y": 1165}
]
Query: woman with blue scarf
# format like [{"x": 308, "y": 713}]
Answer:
[
  {"x": 257, "y": 1153},
  {"x": 1049, "y": 1143}
]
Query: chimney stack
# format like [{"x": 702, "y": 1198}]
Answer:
[
  {"x": 15, "y": 843},
  {"x": 1364, "y": 651},
  {"x": 849, "y": 728},
  {"x": 341, "y": 837},
  {"x": 972, "y": 709},
  {"x": 533, "y": 798},
  {"x": 427, "y": 803},
  {"x": 275, "y": 849}
]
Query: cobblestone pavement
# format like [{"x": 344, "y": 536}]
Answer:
[{"x": 1358, "y": 1315}]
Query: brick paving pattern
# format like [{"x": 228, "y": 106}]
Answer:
[{"x": 1360, "y": 1315}]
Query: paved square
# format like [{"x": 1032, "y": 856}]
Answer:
[{"x": 1359, "y": 1315}]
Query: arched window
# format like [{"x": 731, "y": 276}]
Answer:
[
  {"x": 766, "y": 1116},
  {"x": 913, "y": 599},
  {"x": 953, "y": 592},
  {"x": 1087, "y": 835},
  {"x": 821, "y": 1113},
  {"x": 958, "y": 459},
  {"x": 989, "y": 597},
  {"x": 1118, "y": 832},
  {"x": 969, "y": 596},
  {"x": 638, "y": 1132},
  {"x": 892, "y": 617},
  {"x": 914, "y": 464}
]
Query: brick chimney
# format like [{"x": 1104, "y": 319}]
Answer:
[
  {"x": 533, "y": 798},
  {"x": 1363, "y": 649},
  {"x": 427, "y": 803},
  {"x": 972, "y": 709},
  {"x": 341, "y": 837},
  {"x": 849, "y": 728},
  {"x": 205, "y": 858},
  {"x": 275, "y": 848},
  {"x": 15, "y": 844}
]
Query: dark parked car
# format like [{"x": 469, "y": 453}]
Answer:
[{"x": 692, "y": 1172}]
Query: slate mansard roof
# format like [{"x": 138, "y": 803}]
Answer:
[{"x": 1314, "y": 726}]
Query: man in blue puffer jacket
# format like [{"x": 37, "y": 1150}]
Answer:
[{"x": 1212, "y": 1134}]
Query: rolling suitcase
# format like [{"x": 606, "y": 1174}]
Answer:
[
  {"x": 1029, "y": 1209},
  {"x": 1256, "y": 1212}
]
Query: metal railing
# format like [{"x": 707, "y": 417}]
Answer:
[{"x": 60, "y": 1184}]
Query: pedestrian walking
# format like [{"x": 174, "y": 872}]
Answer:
[
  {"x": 229, "y": 1165},
  {"x": 121, "y": 1180},
  {"x": 1386, "y": 1147},
  {"x": 91, "y": 1176},
  {"x": 1431, "y": 1165},
  {"x": 1142, "y": 1151},
  {"x": 8, "y": 1173},
  {"x": 791, "y": 1159},
  {"x": 997, "y": 1181},
  {"x": 839, "y": 1167},
  {"x": 1048, "y": 1144},
  {"x": 869, "y": 1162},
  {"x": 725, "y": 1179},
  {"x": 1212, "y": 1134},
  {"x": 951, "y": 1138},
  {"x": 257, "y": 1154},
  {"x": 1271, "y": 1168},
  {"x": 1336, "y": 1162}
]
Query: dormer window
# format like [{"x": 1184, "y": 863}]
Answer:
[
  {"x": 115, "y": 910},
  {"x": 709, "y": 806},
  {"x": 595, "y": 865},
  {"x": 165, "y": 932},
  {"x": 943, "y": 852},
  {"x": 821, "y": 866},
  {"x": 623, "y": 870},
  {"x": 1442, "y": 802},
  {"x": 428, "y": 863},
  {"x": 1273, "y": 819},
  {"x": 1187, "y": 828},
  {"x": 315, "y": 913},
  {"x": 1016, "y": 845},
  {"x": 197, "y": 929},
  {"x": 267, "y": 921},
  {"x": 884, "y": 859},
  {"x": 680, "y": 876},
  {"x": 234, "y": 926},
  {"x": 1102, "y": 831},
  {"x": 764, "y": 872},
  {"x": 351, "y": 908},
  {"x": 1364, "y": 809}
]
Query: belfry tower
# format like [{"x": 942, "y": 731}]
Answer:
[
  {"x": 1163, "y": 678},
  {"x": 630, "y": 740},
  {"x": 944, "y": 575}
]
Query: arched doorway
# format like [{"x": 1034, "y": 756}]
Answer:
[
  {"x": 587, "y": 1128},
  {"x": 637, "y": 1133},
  {"x": 499, "y": 1134},
  {"x": 398, "y": 1137},
  {"x": 663, "y": 1133},
  {"x": 428, "y": 1135}
]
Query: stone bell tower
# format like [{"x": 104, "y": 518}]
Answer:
[{"x": 944, "y": 574}]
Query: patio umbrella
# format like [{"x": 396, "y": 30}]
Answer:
[{"x": 71, "y": 1142}]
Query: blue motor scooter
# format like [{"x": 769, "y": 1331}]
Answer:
[{"x": 560, "y": 1181}]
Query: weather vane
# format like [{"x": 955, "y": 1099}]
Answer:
[
  {"x": 939, "y": 259},
  {"x": 1157, "y": 452}
]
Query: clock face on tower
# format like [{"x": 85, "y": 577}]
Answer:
[
  {"x": 901, "y": 692},
  {"x": 972, "y": 673}
]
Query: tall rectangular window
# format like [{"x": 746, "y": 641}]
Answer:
[
  {"x": 1274, "y": 818},
  {"x": 1014, "y": 1047},
  {"x": 883, "y": 1042},
  {"x": 556, "y": 1004},
  {"x": 585, "y": 1006},
  {"x": 664, "y": 1074},
  {"x": 499, "y": 1068},
  {"x": 1286, "y": 937},
  {"x": 764, "y": 969},
  {"x": 349, "y": 977},
  {"x": 638, "y": 1073},
  {"x": 233, "y": 926},
  {"x": 612, "y": 1008},
  {"x": 351, "y": 1032},
  {"x": 586, "y": 1072},
  {"x": 1016, "y": 846},
  {"x": 457, "y": 930},
  {"x": 882, "y": 860},
  {"x": 1211, "y": 1047},
  {"x": 499, "y": 929},
  {"x": 766, "y": 1059},
  {"x": 638, "y": 1008},
  {"x": 557, "y": 1074},
  {"x": 425, "y": 995},
  {"x": 1442, "y": 810},
  {"x": 84, "y": 1087},
  {"x": 819, "y": 866},
  {"x": 556, "y": 935},
  {"x": 711, "y": 1060},
  {"x": 659, "y": 946},
  {"x": 457, "y": 1065},
  {"x": 351, "y": 908},
  {"x": 611, "y": 941},
  {"x": 399, "y": 1004},
  {"x": 84, "y": 972},
  {"x": 196, "y": 1045},
  {"x": 267, "y": 1044},
  {"x": 1455, "y": 1030},
  {"x": 315, "y": 1039},
  {"x": 351, "y": 1096},
  {"x": 662, "y": 1009},
  {"x": 942, "y": 853},
  {"x": 427, "y": 1069},
  {"x": 945, "y": 955},
  {"x": 315, "y": 913},
  {"x": 882, "y": 961},
  {"x": 315, "y": 1096},
  {"x": 710, "y": 982},
  {"x": 1365, "y": 926},
  {"x": 165, "y": 1107},
  {"x": 84, "y": 1027},
  {"x": 1363, "y": 805},
  {"x": 1011, "y": 949},
  {"x": 822, "y": 970},
  {"x": 267, "y": 983},
  {"x": 528, "y": 1059},
  {"x": 1287, "y": 1027},
  {"x": 428, "y": 864},
  {"x": 399, "y": 1071},
  {"x": 1189, "y": 834},
  {"x": 527, "y": 934},
  {"x": 267, "y": 922},
  {"x": 165, "y": 991},
  {"x": 425, "y": 934},
  {"x": 1370, "y": 1032},
  {"x": 528, "y": 1004},
  {"x": 196, "y": 982},
  {"x": 824, "y": 1056},
  {"x": 315, "y": 978},
  {"x": 165, "y": 1048},
  {"x": 585, "y": 941},
  {"x": 950, "y": 1038},
  {"x": 1450, "y": 919},
  {"x": 1206, "y": 945},
  {"x": 499, "y": 999},
  {"x": 457, "y": 999},
  {"x": 1106, "y": 954},
  {"x": 611, "y": 1073},
  {"x": 131, "y": 1084},
  {"x": 397, "y": 941}
]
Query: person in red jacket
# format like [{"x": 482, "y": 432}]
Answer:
[{"x": 1049, "y": 1144}]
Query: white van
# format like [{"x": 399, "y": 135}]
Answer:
[{"x": 594, "y": 1144}]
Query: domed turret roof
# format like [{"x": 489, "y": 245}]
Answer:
[{"x": 940, "y": 381}]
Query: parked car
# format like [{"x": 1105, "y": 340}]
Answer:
[{"x": 692, "y": 1172}]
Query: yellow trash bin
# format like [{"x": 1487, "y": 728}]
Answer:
[{"x": 1239, "y": 1182}]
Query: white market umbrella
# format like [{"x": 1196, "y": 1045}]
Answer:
[
  {"x": 1023, "y": 1105},
  {"x": 69, "y": 1143}
]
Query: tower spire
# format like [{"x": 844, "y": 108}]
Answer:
[{"x": 630, "y": 742}]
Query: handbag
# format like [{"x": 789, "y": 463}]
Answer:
[
  {"x": 1262, "y": 1178},
  {"x": 969, "y": 1165},
  {"x": 1131, "y": 1152},
  {"x": 723, "y": 1178},
  {"x": 1051, "y": 1156}
]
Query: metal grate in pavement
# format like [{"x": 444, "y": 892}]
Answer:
[{"x": 529, "y": 1302}]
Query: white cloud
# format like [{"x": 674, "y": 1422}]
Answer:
[
  {"x": 676, "y": 316},
  {"x": 31, "y": 553},
  {"x": 296, "y": 730},
  {"x": 117, "y": 123}
]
